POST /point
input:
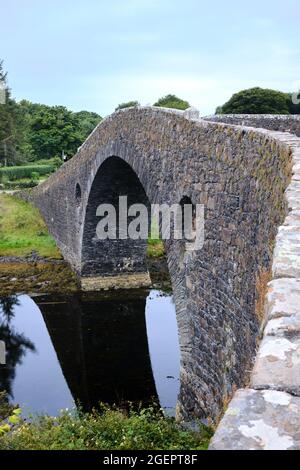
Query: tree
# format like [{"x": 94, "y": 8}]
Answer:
[
  {"x": 128, "y": 104},
  {"x": 257, "y": 101},
  {"x": 47, "y": 131},
  {"x": 86, "y": 122},
  {"x": 172, "y": 101},
  {"x": 8, "y": 135}
]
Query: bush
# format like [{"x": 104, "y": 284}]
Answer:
[
  {"x": 13, "y": 173},
  {"x": 9, "y": 415},
  {"x": 172, "y": 101},
  {"x": 56, "y": 162},
  {"x": 5, "y": 408},
  {"x": 129, "y": 104},
  {"x": 109, "y": 429},
  {"x": 11, "y": 185},
  {"x": 35, "y": 176},
  {"x": 256, "y": 101}
]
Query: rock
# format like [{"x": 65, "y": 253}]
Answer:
[
  {"x": 283, "y": 298},
  {"x": 277, "y": 364},
  {"x": 192, "y": 113},
  {"x": 286, "y": 261},
  {"x": 259, "y": 420},
  {"x": 285, "y": 326},
  {"x": 293, "y": 218}
]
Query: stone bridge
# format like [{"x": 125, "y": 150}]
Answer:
[{"x": 248, "y": 179}]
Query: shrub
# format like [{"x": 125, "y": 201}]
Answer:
[
  {"x": 256, "y": 101},
  {"x": 9, "y": 415},
  {"x": 56, "y": 162},
  {"x": 35, "y": 176},
  {"x": 109, "y": 429},
  {"x": 172, "y": 101},
  {"x": 11, "y": 185},
  {"x": 129, "y": 104},
  {"x": 13, "y": 173}
]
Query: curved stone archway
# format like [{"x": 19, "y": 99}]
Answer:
[
  {"x": 240, "y": 176},
  {"x": 104, "y": 259}
]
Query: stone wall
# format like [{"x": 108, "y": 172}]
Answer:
[
  {"x": 266, "y": 415},
  {"x": 283, "y": 123},
  {"x": 240, "y": 175}
]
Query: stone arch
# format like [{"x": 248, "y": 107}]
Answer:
[{"x": 101, "y": 258}]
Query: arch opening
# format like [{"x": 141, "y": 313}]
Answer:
[{"x": 115, "y": 188}]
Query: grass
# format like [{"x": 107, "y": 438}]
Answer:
[
  {"x": 155, "y": 248},
  {"x": 109, "y": 429},
  {"x": 18, "y": 172},
  {"x": 22, "y": 230}
]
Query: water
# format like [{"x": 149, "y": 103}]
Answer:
[{"x": 109, "y": 348}]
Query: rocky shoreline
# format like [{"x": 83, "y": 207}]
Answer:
[{"x": 35, "y": 274}]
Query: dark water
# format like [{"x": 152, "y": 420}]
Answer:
[{"x": 89, "y": 349}]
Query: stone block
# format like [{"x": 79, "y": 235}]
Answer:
[
  {"x": 277, "y": 364},
  {"x": 259, "y": 420},
  {"x": 286, "y": 261},
  {"x": 292, "y": 194},
  {"x": 283, "y": 298},
  {"x": 293, "y": 218}
]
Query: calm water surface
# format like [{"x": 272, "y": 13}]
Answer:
[{"x": 113, "y": 348}]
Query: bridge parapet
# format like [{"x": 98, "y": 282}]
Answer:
[{"x": 274, "y": 122}]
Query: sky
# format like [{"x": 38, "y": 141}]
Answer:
[{"x": 95, "y": 54}]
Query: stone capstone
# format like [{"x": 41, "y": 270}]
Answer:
[{"x": 259, "y": 420}]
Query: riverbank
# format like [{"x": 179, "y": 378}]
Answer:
[
  {"x": 31, "y": 262},
  {"x": 23, "y": 231}
]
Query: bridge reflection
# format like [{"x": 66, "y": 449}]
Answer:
[{"x": 101, "y": 345}]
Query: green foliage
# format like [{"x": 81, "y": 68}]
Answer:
[
  {"x": 35, "y": 176},
  {"x": 257, "y": 101},
  {"x": 19, "y": 184},
  {"x": 12, "y": 420},
  {"x": 8, "y": 129},
  {"x": 22, "y": 230},
  {"x": 9, "y": 415},
  {"x": 18, "y": 172},
  {"x": 5, "y": 408},
  {"x": 109, "y": 429},
  {"x": 172, "y": 101},
  {"x": 55, "y": 162},
  {"x": 30, "y": 132},
  {"x": 48, "y": 131},
  {"x": 128, "y": 104}
]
